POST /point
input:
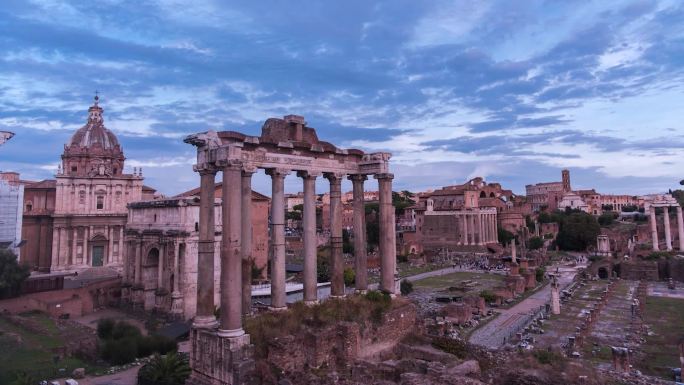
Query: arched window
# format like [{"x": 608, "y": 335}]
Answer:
[
  {"x": 483, "y": 194},
  {"x": 100, "y": 202},
  {"x": 29, "y": 206},
  {"x": 491, "y": 195}
]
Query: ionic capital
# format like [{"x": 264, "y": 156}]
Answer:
[
  {"x": 308, "y": 174},
  {"x": 278, "y": 172},
  {"x": 229, "y": 164},
  {"x": 334, "y": 177},
  {"x": 205, "y": 169},
  {"x": 385, "y": 175},
  {"x": 357, "y": 177},
  {"x": 248, "y": 170}
]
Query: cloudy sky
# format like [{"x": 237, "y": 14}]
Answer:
[{"x": 513, "y": 91}]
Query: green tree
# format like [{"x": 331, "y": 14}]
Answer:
[
  {"x": 577, "y": 231},
  {"x": 347, "y": 246},
  {"x": 402, "y": 201},
  {"x": 505, "y": 236},
  {"x": 535, "y": 243},
  {"x": 349, "y": 276},
  {"x": 323, "y": 265},
  {"x": 607, "y": 218},
  {"x": 373, "y": 233},
  {"x": 171, "y": 369},
  {"x": 405, "y": 287},
  {"x": 12, "y": 274}
]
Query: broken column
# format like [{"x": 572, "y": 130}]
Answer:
[
  {"x": 555, "y": 296},
  {"x": 620, "y": 359},
  {"x": 654, "y": 228}
]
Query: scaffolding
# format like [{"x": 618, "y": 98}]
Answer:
[{"x": 11, "y": 207}]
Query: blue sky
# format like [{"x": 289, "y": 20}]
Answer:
[{"x": 511, "y": 91}]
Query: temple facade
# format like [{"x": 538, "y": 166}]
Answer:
[{"x": 91, "y": 198}]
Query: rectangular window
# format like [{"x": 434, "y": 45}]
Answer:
[{"x": 100, "y": 202}]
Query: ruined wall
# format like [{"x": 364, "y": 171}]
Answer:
[{"x": 342, "y": 342}]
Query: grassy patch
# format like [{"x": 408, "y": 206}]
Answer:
[
  {"x": 484, "y": 281},
  {"x": 664, "y": 316},
  {"x": 24, "y": 350}
]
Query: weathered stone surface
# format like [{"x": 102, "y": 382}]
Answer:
[
  {"x": 466, "y": 368},
  {"x": 78, "y": 373}
]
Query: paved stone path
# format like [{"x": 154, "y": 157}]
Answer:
[{"x": 509, "y": 321}]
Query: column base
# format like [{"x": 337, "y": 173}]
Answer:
[
  {"x": 337, "y": 296},
  {"x": 216, "y": 360},
  {"x": 361, "y": 291},
  {"x": 311, "y": 302},
  {"x": 230, "y": 333},
  {"x": 283, "y": 308},
  {"x": 204, "y": 322}
]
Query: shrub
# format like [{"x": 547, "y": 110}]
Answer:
[
  {"x": 451, "y": 346},
  {"x": 505, "y": 236},
  {"x": 378, "y": 296},
  {"x": 488, "y": 296},
  {"x": 171, "y": 369},
  {"x": 406, "y": 287},
  {"x": 12, "y": 274},
  {"x": 155, "y": 344},
  {"x": 105, "y": 327},
  {"x": 402, "y": 258},
  {"x": 539, "y": 274},
  {"x": 121, "y": 351},
  {"x": 535, "y": 243},
  {"x": 546, "y": 357},
  {"x": 123, "y": 329},
  {"x": 349, "y": 276}
]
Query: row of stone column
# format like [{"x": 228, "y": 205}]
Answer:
[
  {"x": 666, "y": 223},
  {"x": 478, "y": 228},
  {"x": 236, "y": 242}
]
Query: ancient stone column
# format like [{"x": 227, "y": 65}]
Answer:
[
  {"x": 666, "y": 221},
  {"x": 160, "y": 265},
  {"x": 337, "y": 260},
  {"x": 204, "y": 317},
  {"x": 138, "y": 245},
  {"x": 478, "y": 226},
  {"x": 121, "y": 246},
  {"x": 360, "y": 257},
  {"x": 513, "y": 252},
  {"x": 278, "y": 294},
  {"x": 231, "y": 258},
  {"x": 176, "y": 296},
  {"x": 388, "y": 246},
  {"x": 680, "y": 228},
  {"x": 654, "y": 229},
  {"x": 309, "y": 224},
  {"x": 555, "y": 297},
  {"x": 465, "y": 229},
  {"x": 246, "y": 243}
]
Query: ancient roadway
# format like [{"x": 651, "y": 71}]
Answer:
[{"x": 508, "y": 321}]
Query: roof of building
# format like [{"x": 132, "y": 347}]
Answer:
[
  {"x": 44, "y": 184},
  {"x": 196, "y": 191},
  {"x": 94, "y": 133}
]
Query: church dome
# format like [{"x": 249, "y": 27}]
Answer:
[{"x": 94, "y": 132}]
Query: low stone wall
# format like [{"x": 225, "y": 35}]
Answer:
[
  {"x": 75, "y": 302},
  {"x": 341, "y": 342}
]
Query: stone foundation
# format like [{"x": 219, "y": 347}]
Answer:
[{"x": 220, "y": 361}]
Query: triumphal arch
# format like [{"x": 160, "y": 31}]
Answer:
[{"x": 220, "y": 353}]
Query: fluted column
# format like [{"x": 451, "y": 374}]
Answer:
[
  {"x": 119, "y": 256},
  {"x": 309, "y": 224},
  {"x": 668, "y": 235},
  {"x": 246, "y": 243},
  {"x": 478, "y": 221},
  {"x": 231, "y": 258},
  {"x": 278, "y": 294},
  {"x": 176, "y": 269},
  {"x": 680, "y": 228},
  {"x": 204, "y": 317},
  {"x": 360, "y": 257},
  {"x": 337, "y": 261},
  {"x": 654, "y": 229},
  {"x": 388, "y": 246}
]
